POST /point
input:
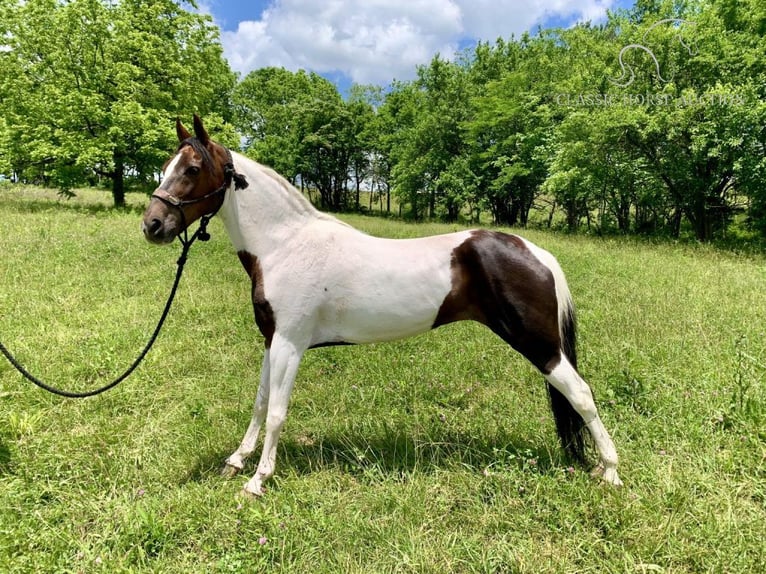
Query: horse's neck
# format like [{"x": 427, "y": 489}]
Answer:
[{"x": 266, "y": 214}]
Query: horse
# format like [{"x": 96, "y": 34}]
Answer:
[{"x": 317, "y": 281}]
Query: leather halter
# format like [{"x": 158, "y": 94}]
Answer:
[{"x": 229, "y": 175}]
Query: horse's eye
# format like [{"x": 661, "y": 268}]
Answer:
[{"x": 192, "y": 171}]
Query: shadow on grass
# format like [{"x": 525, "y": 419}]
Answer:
[
  {"x": 5, "y": 458},
  {"x": 32, "y": 206},
  {"x": 25, "y": 199},
  {"x": 397, "y": 453},
  {"x": 391, "y": 454}
]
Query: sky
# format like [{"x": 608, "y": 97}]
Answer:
[{"x": 377, "y": 41}]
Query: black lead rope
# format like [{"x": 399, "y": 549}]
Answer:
[
  {"x": 240, "y": 182},
  {"x": 200, "y": 234}
]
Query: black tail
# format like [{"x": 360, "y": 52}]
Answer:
[{"x": 569, "y": 424}]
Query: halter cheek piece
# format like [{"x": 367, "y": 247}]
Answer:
[{"x": 229, "y": 175}]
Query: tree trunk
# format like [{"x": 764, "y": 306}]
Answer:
[
  {"x": 118, "y": 180},
  {"x": 513, "y": 215},
  {"x": 550, "y": 215},
  {"x": 358, "y": 193},
  {"x": 431, "y": 202}
]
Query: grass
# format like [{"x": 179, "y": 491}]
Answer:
[{"x": 433, "y": 454}]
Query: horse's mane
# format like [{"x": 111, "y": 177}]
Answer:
[{"x": 300, "y": 201}]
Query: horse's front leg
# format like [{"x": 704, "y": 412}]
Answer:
[
  {"x": 284, "y": 358},
  {"x": 236, "y": 461}
]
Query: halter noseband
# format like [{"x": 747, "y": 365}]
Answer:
[{"x": 229, "y": 175}]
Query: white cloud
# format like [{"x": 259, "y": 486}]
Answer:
[{"x": 375, "y": 41}]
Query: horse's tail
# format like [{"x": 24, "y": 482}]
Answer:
[{"x": 569, "y": 424}]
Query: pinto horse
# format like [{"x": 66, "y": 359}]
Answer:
[{"x": 317, "y": 281}]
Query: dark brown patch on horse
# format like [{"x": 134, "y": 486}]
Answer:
[
  {"x": 497, "y": 281},
  {"x": 264, "y": 314}
]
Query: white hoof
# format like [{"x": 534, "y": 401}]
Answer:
[
  {"x": 611, "y": 477},
  {"x": 607, "y": 475},
  {"x": 254, "y": 486}
]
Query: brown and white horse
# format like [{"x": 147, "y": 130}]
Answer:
[{"x": 317, "y": 281}]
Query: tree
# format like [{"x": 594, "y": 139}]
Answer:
[
  {"x": 268, "y": 104},
  {"x": 704, "y": 141},
  {"x": 361, "y": 105},
  {"x": 90, "y": 85},
  {"x": 326, "y": 144},
  {"x": 669, "y": 131},
  {"x": 384, "y": 136},
  {"x": 297, "y": 123},
  {"x": 397, "y": 118},
  {"x": 432, "y": 109},
  {"x": 510, "y": 126}
]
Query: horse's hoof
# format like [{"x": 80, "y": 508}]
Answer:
[
  {"x": 598, "y": 471},
  {"x": 229, "y": 471},
  {"x": 607, "y": 475},
  {"x": 251, "y": 495},
  {"x": 611, "y": 478}
]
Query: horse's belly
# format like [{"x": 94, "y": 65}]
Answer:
[
  {"x": 382, "y": 312},
  {"x": 361, "y": 327},
  {"x": 372, "y": 290}
]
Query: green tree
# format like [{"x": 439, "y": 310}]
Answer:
[
  {"x": 90, "y": 86},
  {"x": 510, "y": 126},
  {"x": 326, "y": 146},
  {"x": 407, "y": 165},
  {"x": 297, "y": 123},
  {"x": 361, "y": 104},
  {"x": 268, "y": 104},
  {"x": 704, "y": 138},
  {"x": 385, "y": 137},
  {"x": 668, "y": 133},
  {"x": 433, "y": 109},
  {"x": 458, "y": 186}
]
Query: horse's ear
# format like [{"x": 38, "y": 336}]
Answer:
[
  {"x": 183, "y": 133},
  {"x": 199, "y": 131}
]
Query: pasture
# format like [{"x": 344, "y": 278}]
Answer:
[{"x": 432, "y": 454}]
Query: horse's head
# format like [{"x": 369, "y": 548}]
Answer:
[{"x": 193, "y": 184}]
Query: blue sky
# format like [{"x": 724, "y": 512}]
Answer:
[{"x": 377, "y": 41}]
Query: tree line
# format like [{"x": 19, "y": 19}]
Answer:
[{"x": 652, "y": 122}]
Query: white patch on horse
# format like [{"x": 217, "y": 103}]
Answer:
[
  {"x": 567, "y": 381},
  {"x": 171, "y": 167},
  {"x": 381, "y": 289}
]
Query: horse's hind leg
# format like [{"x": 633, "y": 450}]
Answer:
[
  {"x": 565, "y": 378},
  {"x": 236, "y": 461}
]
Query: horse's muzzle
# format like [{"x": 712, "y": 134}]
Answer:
[{"x": 160, "y": 225}]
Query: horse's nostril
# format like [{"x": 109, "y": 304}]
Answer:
[{"x": 154, "y": 226}]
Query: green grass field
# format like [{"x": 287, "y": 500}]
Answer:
[{"x": 433, "y": 454}]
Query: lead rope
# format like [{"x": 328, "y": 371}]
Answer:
[{"x": 200, "y": 234}]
